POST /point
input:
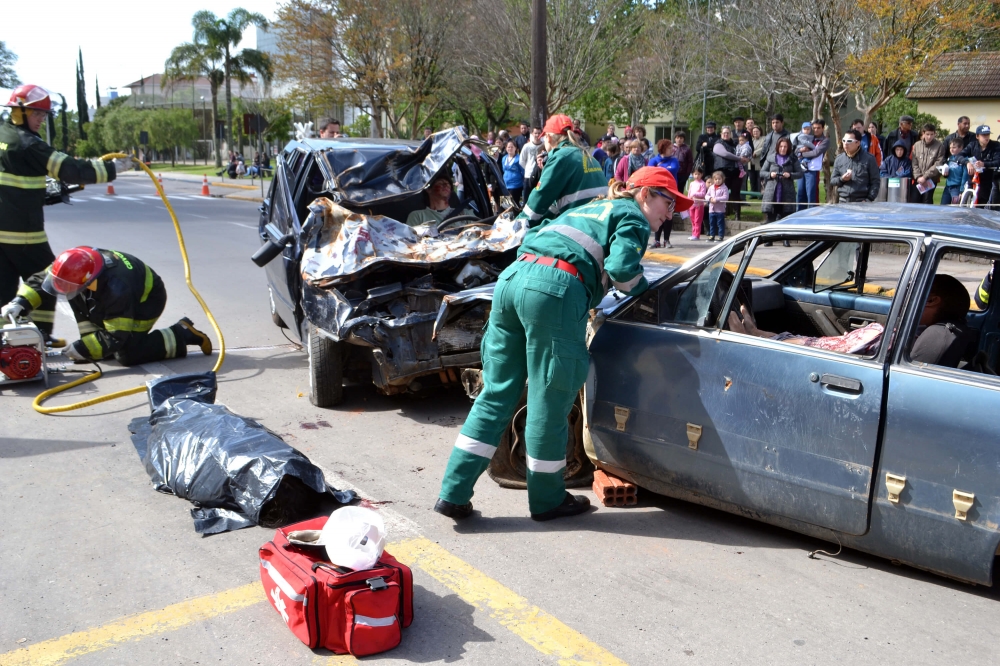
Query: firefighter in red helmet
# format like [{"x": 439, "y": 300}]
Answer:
[
  {"x": 116, "y": 300},
  {"x": 25, "y": 161}
]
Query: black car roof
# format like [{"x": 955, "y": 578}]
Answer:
[{"x": 966, "y": 223}]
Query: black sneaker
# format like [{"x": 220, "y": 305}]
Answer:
[
  {"x": 572, "y": 505},
  {"x": 456, "y": 511},
  {"x": 192, "y": 336}
]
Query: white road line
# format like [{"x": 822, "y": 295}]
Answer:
[
  {"x": 240, "y": 224},
  {"x": 151, "y": 196},
  {"x": 127, "y": 198},
  {"x": 193, "y": 215},
  {"x": 100, "y": 199}
]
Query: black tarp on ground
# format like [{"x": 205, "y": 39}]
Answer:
[{"x": 237, "y": 472}]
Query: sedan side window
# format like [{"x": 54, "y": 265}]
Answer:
[
  {"x": 699, "y": 301},
  {"x": 839, "y": 268}
]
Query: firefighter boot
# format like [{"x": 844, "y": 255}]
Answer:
[{"x": 193, "y": 337}]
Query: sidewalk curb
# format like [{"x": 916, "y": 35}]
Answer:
[{"x": 242, "y": 198}]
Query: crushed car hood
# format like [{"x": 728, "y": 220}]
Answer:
[{"x": 343, "y": 245}]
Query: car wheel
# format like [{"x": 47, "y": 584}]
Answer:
[
  {"x": 275, "y": 317},
  {"x": 326, "y": 369}
]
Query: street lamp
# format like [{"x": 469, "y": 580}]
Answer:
[{"x": 204, "y": 126}]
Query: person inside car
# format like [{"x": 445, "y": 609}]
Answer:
[
  {"x": 438, "y": 206},
  {"x": 943, "y": 337}
]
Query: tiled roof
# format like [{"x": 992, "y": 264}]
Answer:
[{"x": 959, "y": 75}]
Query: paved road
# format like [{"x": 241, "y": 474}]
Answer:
[{"x": 86, "y": 542}]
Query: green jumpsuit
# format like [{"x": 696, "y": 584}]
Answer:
[
  {"x": 25, "y": 161},
  {"x": 118, "y": 318},
  {"x": 537, "y": 331},
  {"x": 571, "y": 178}
]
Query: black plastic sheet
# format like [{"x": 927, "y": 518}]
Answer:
[{"x": 236, "y": 472}]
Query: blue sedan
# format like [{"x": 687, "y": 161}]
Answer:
[{"x": 842, "y": 387}]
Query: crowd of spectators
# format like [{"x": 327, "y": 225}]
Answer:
[{"x": 783, "y": 169}]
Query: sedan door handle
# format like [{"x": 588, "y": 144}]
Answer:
[{"x": 846, "y": 384}]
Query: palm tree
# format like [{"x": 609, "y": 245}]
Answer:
[
  {"x": 223, "y": 35},
  {"x": 191, "y": 61}
]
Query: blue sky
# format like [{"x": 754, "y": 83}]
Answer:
[{"x": 121, "y": 41}]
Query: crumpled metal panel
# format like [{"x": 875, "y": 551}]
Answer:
[
  {"x": 345, "y": 244},
  {"x": 367, "y": 174}
]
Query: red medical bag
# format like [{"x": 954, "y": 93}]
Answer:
[{"x": 344, "y": 611}]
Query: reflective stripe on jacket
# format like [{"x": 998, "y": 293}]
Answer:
[
  {"x": 571, "y": 178},
  {"x": 25, "y": 161},
  {"x": 604, "y": 239}
]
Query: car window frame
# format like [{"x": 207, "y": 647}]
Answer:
[
  {"x": 915, "y": 240},
  {"x": 936, "y": 247}
]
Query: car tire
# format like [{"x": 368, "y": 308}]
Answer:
[
  {"x": 275, "y": 317},
  {"x": 326, "y": 369}
]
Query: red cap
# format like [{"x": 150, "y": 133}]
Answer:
[
  {"x": 557, "y": 124},
  {"x": 660, "y": 178}
]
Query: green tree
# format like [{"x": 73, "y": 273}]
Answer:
[
  {"x": 223, "y": 35},
  {"x": 193, "y": 60},
  {"x": 169, "y": 129},
  {"x": 8, "y": 77},
  {"x": 97, "y": 93},
  {"x": 83, "y": 115}
]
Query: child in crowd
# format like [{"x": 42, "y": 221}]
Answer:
[
  {"x": 897, "y": 164},
  {"x": 744, "y": 149},
  {"x": 717, "y": 196},
  {"x": 955, "y": 173},
  {"x": 697, "y": 190},
  {"x": 803, "y": 139}
]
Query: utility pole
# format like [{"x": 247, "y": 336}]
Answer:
[{"x": 539, "y": 55}]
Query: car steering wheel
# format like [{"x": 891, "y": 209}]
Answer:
[{"x": 475, "y": 222}]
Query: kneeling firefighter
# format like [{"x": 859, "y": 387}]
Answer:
[
  {"x": 25, "y": 161},
  {"x": 116, "y": 300},
  {"x": 537, "y": 331}
]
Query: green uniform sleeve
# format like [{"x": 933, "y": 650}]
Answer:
[
  {"x": 982, "y": 295},
  {"x": 43, "y": 158},
  {"x": 550, "y": 186},
  {"x": 623, "y": 264}
]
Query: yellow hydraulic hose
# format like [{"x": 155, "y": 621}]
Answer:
[{"x": 45, "y": 395}]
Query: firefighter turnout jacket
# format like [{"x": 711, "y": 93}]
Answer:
[
  {"x": 128, "y": 300},
  {"x": 571, "y": 178},
  {"x": 25, "y": 161},
  {"x": 605, "y": 240}
]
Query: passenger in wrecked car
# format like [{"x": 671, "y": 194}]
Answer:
[
  {"x": 537, "y": 330},
  {"x": 571, "y": 178},
  {"x": 438, "y": 208},
  {"x": 943, "y": 336}
]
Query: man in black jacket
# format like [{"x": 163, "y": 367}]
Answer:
[
  {"x": 984, "y": 158},
  {"x": 905, "y": 133},
  {"x": 962, "y": 133},
  {"x": 703, "y": 147},
  {"x": 771, "y": 140}
]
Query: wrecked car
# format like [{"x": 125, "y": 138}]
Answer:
[
  {"x": 371, "y": 298},
  {"x": 866, "y": 446}
]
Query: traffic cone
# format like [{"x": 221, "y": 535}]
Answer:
[
  {"x": 204, "y": 186},
  {"x": 111, "y": 188},
  {"x": 159, "y": 177}
]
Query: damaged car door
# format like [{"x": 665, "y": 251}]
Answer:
[{"x": 762, "y": 427}]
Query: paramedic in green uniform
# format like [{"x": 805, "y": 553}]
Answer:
[
  {"x": 571, "y": 177},
  {"x": 537, "y": 332}
]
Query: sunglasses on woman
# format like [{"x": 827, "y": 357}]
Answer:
[{"x": 670, "y": 199}]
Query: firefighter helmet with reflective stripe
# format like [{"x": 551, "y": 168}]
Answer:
[
  {"x": 73, "y": 270},
  {"x": 30, "y": 96}
]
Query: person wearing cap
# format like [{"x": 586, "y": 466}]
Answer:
[
  {"x": 537, "y": 332},
  {"x": 25, "y": 161},
  {"x": 855, "y": 173},
  {"x": 704, "y": 146},
  {"x": 904, "y": 133},
  {"x": 116, "y": 299},
  {"x": 571, "y": 177},
  {"x": 771, "y": 139},
  {"x": 984, "y": 159}
]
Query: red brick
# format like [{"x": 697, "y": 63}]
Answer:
[{"x": 612, "y": 491}]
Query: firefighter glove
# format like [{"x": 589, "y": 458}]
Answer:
[
  {"x": 123, "y": 164},
  {"x": 72, "y": 354},
  {"x": 12, "y": 309}
]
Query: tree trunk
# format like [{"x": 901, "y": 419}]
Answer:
[
  {"x": 229, "y": 101},
  {"x": 833, "y": 131},
  {"x": 215, "y": 124}
]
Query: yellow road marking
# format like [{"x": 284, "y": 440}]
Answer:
[
  {"x": 531, "y": 624},
  {"x": 134, "y": 627}
]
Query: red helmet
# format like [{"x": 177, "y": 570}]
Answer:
[
  {"x": 73, "y": 270},
  {"x": 30, "y": 96}
]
